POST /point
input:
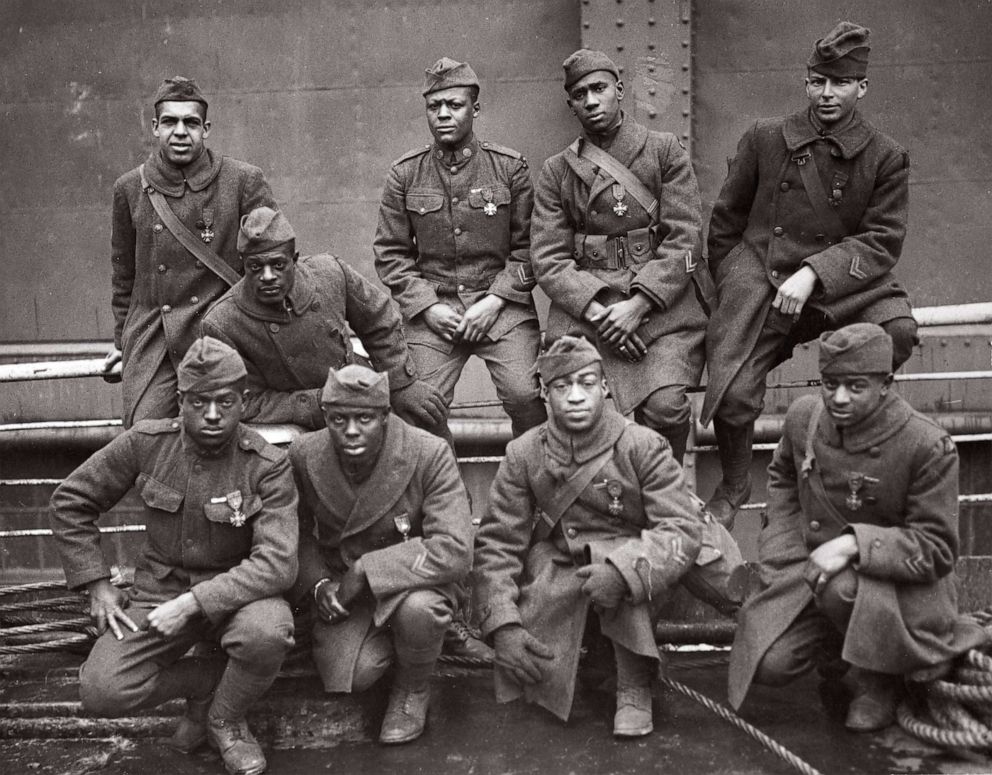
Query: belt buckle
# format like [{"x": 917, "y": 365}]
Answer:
[{"x": 620, "y": 244}]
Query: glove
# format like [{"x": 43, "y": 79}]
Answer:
[
  {"x": 604, "y": 585},
  {"x": 519, "y": 654},
  {"x": 419, "y": 404}
]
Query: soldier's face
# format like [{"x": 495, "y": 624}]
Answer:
[
  {"x": 576, "y": 400},
  {"x": 595, "y": 100},
  {"x": 181, "y": 129},
  {"x": 850, "y": 398},
  {"x": 357, "y": 432},
  {"x": 271, "y": 275},
  {"x": 211, "y": 418},
  {"x": 834, "y": 99},
  {"x": 450, "y": 115}
]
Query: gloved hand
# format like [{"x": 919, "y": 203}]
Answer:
[
  {"x": 520, "y": 655},
  {"x": 419, "y": 404},
  {"x": 604, "y": 585}
]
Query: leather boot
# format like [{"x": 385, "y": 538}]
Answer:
[
  {"x": 678, "y": 439},
  {"x": 734, "y": 448},
  {"x": 460, "y": 640},
  {"x": 874, "y": 703},
  {"x": 192, "y": 730},
  {"x": 406, "y": 713},
  {"x": 227, "y": 730},
  {"x": 633, "y": 717}
]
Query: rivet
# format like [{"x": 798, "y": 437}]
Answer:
[
  {"x": 650, "y": 46},
  {"x": 652, "y": 112},
  {"x": 619, "y": 46},
  {"x": 685, "y": 68},
  {"x": 619, "y": 22},
  {"x": 685, "y": 135},
  {"x": 651, "y": 90},
  {"x": 943, "y": 343},
  {"x": 685, "y": 44},
  {"x": 620, "y": 68},
  {"x": 685, "y": 112},
  {"x": 585, "y": 25},
  {"x": 685, "y": 89},
  {"x": 967, "y": 343},
  {"x": 650, "y": 21},
  {"x": 650, "y": 68}
]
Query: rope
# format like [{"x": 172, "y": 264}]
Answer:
[
  {"x": 30, "y": 629},
  {"x": 51, "y": 645},
  {"x": 51, "y": 603},
  {"x": 36, "y": 587}
]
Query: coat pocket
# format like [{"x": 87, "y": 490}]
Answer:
[
  {"x": 159, "y": 496},
  {"x": 497, "y": 194},
  {"x": 423, "y": 202}
]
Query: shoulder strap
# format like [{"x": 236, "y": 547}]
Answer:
[
  {"x": 186, "y": 238},
  {"x": 618, "y": 172},
  {"x": 810, "y": 175},
  {"x": 554, "y": 507},
  {"x": 411, "y": 155},
  {"x": 812, "y": 472},
  {"x": 502, "y": 149}
]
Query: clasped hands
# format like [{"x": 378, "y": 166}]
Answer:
[
  {"x": 469, "y": 326},
  {"x": 829, "y": 559},
  {"x": 333, "y": 599},
  {"x": 617, "y": 324}
]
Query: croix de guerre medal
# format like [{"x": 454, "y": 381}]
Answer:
[
  {"x": 615, "y": 490},
  {"x": 620, "y": 208},
  {"x": 235, "y": 500},
  {"x": 490, "y": 207},
  {"x": 207, "y": 226},
  {"x": 402, "y": 523}
]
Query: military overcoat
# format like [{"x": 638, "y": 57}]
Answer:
[
  {"x": 160, "y": 290},
  {"x": 188, "y": 500},
  {"x": 574, "y": 196},
  {"x": 764, "y": 228},
  {"x": 521, "y": 579},
  {"x": 409, "y": 522},
  {"x": 892, "y": 481},
  {"x": 288, "y": 351}
]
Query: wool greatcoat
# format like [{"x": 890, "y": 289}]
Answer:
[
  {"x": 574, "y": 196},
  {"x": 415, "y": 483},
  {"x": 288, "y": 350},
  {"x": 906, "y": 524},
  {"x": 160, "y": 290},
  {"x": 522, "y": 579},
  {"x": 763, "y": 229}
]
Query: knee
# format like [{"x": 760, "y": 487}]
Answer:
[
  {"x": 105, "y": 695},
  {"x": 262, "y": 645},
  {"x": 739, "y": 406},
  {"x": 667, "y": 407},
  {"x": 373, "y": 661},
  {"x": 421, "y": 618},
  {"x": 836, "y": 600},
  {"x": 779, "y": 667},
  {"x": 904, "y": 339}
]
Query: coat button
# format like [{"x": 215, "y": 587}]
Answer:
[
  {"x": 194, "y": 300},
  {"x": 784, "y": 186},
  {"x": 775, "y": 273},
  {"x": 157, "y": 228},
  {"x": 302, "y": 398},
  {"x": 593, "y": 213},
  {"x": 458, "y": 231},
  {"x": 453, "y": 169},
  {"x": 189, "y": 542},
  {"x": 814, "y": 525},
  {"x": 875, "y": 452},
  {"x": 877, "y": 542},
  {"x": 161, "y": 267},
  {"x": 571, "y": 532},
  {"x": 461, "y": 288},
  {"x": 175, "y": 423},
  {"x": 315, "y": 305},
  {"x": 166, "y": 308},
  {"x": 274, "y": 327},
  {"x": 423, "y": 210},
  {"x": 778, "y": 231},
  {"x": 454, "y": 200}
]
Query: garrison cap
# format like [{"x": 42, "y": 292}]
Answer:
[
  {"x": 356, "y": 385},
  {"x": 209, "y": 364},
  {"x": 860, "y": 348},
  {"x": 584, "y": 61},
  {"x": 446, "y": 73},
  {"x": 843, "y": 53},
  {"x": 179, "y": 89},
  {"x": 565, "y": 355},
  {"x": 263, "y": 229}
]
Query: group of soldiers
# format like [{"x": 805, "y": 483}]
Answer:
[{"x": 365, "y": 520}]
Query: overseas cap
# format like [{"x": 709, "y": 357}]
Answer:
[
  {"x": 446, "y": 73},
  {"x": 263, "y": 229},
  {"x": 356, "y": 385},
  {"x": 861, "y": 348},
  {"x": 209, "y": 364},
  {"x": 843, "y": 53},
  {"x": 565, "y": 355},
  {"x": 179, "y": 89},
  {"x": 584, "y": 61}
]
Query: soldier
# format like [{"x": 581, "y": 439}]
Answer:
[
  {"x": 220, "y": 510},
  {"x": 453, "y": 247},
  {"x": 616, "y": 247},
  {"x": 175, "y": 228},
  {"x": 385, "y": 539},
  {"x": 615, "y": 528},
  {"x": 292, "y": 319},
  {"x": 791, "y": 260},
  {"x": 858, "y": 550}
]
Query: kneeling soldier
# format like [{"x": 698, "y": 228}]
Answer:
[
  {"x": 220, "y": 507},
  {"x": 616, "y": 527},
  {"x": 858, "y": 550},
  {"x": 386, "y": 537}
]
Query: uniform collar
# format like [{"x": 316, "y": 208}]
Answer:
[
  {"x": 172, "y": 180},
  {"x": 799, "y": 129},
  {"x": 567, "y": 448},
  {"x": 625, "y": 143},
  {"x": 459, "y": 156},
  {"x": 886, "y": 421},
  {"x": 190, "y": 447},
  {"x": 298, "y": 300}
]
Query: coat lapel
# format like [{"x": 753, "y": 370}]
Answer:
[
  {"x": 333, "y": 490},
  {"x": 626, "y": 145}
]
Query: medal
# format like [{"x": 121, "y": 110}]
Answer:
[
  {"x": 490, "y": 207},
  {"x": 618, "y": 193},
  {"x": 207, "y": 226},
  {"x": 402, "y": 523},
  {"x": 235, "y": 501},
  {"x": 855, "y": 483},
  {"x": 615, "y": 490}
]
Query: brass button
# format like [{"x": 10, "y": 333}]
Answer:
[
  {"x": 784, "y": 186},
  {"x": 175, "y": 423},
  {"x": 194, "y": 300},
  {"x": 274, "y": 327},
  {"x": 157, "y": 228},
  {"x": 778, "y": 231},
  {"x": 593, "y": 213},
  {"x": 453, "y": 169},
  {"x": 166, "y": 308},
  {"x": 458, "y": 231},
  {"x": 461, "y": 288},
  {"x": 814, "y": 525},
  {"x": 423, "y": 210},
  {"x": 161, "y": 267},
  {"x": 571, "y": 532},
  {"x": 877, "y": 542},
  {"x": 875, "y": 452},
  {"x": 189, "y": 542},
  {"x": 775, "y": 273}
]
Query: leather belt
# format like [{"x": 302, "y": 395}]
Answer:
[
  {"x": 445, "y": 285},
  {"x": 599, "y": 251}
]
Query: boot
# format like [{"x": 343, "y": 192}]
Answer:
[
  {"x": 406, "y": 713},
  {"x": 633, "y": 717},
  {"x": 678, "y": 439},
  {"x": 734, "y": 448},
  {"x": 227, "y": 730},
  {"x": 874, "y": 703},
  {"x": 192, "y": 730},
  {"x": 460, "y": 640}
]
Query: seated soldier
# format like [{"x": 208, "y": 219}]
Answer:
[
  {"x": 386, "y": 537},
  {"x": 292, "y": 319},
  {"x": 858, "y": 550},
  {"x": 616, "y": 529},
  {"x": 220, "y": 509}
]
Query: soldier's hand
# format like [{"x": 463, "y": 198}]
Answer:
[
  {"x": 443, "y": 321},
  {"x": 419, "y": 404},
  {"x": 479, "y": 318},
  {"x": 169, "y": 618},
  {"x": 795, "y": 292},
  {"x": 111, "y": 374},
  {"x": 353, "y": 583},
  {"x": 520, "y": 655},
  {"x": 107, "y": 604},
  {"x": 829, "y": 559},
  {"x": 329, "y": 608},
  {"x": 604, "y": 585}
]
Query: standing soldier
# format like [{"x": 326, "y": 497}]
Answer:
[
  {"x": 220, "y": 507},
  {"x": 292, "y": 319},
  {"x": 453, "y": 246},
  {"x": 805, "y": 233},
  {"x": 616, "y": 528},
  {"x": 175, "y": 232},
  {"x": 616, "y": 245},
  {"x": 385, "y": 539},
  {"x": 858, "y": 551}
]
